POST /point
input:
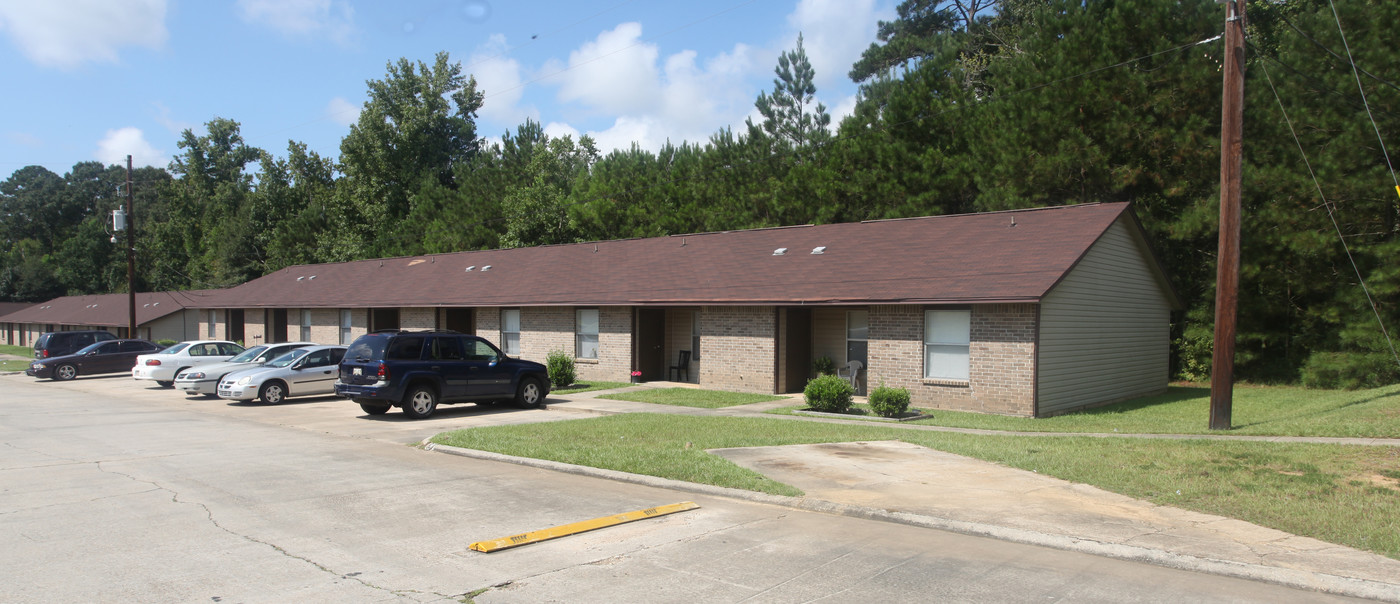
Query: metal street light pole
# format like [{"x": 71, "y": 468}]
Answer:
[{"x": 130, "y": 257}]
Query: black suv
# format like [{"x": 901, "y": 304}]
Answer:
[
  {"x": 418, "y": 370},
  {"x": 63, "y": 343}
]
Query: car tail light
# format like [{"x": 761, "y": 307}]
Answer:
[
  {"x": 152, "y": 362},
  {"x": 46, "y": 353},
  {"x": 383, "y": 372}
]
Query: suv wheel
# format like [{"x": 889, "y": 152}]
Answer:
[
  {"x": 530, "y": 395},
  {"x": 374, "y": 408},
  {"x": 420, "y": 402}
]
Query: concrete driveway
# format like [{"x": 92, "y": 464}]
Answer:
[{"x": 117, "y": 492}]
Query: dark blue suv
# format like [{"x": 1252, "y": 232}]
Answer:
[{"x": 418, "y": 370}]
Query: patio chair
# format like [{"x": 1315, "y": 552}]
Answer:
[
  {"x": 850, "y": 372},
  {"x": 682, "y": 366}
]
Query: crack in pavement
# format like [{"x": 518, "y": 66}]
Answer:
[{"x": 209, "y": 515}]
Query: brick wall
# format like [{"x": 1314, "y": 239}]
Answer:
[
  {"x": 552, "y": 328},
  {"x": 254, "y": 327},
  {"x": 738, "y": 345},
  {"x": 325, "y": 325},
  {"x": 1002, "y": 357},
  {"x": 417, "y": 318},
  {"x": 488, "y": 324}
]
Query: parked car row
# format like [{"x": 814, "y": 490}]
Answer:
[{"x": 413, "y": 370}]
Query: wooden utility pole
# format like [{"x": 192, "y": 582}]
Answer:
[
  {"x": 1227, "y": 277},
  {"x": 130, "y": 257}
]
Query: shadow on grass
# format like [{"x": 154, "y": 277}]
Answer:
[{"x": 1174, "y": 394}]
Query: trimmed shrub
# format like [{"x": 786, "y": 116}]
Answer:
[
  {"x": 166, "y": 343},
  {"x": 824, "y": 366},
  {"x": 561, "y": 368},
  {"x": 887, "y": 401},
  {"x": 1349, "y": 370},
  {"x": 829, "y": 393}
]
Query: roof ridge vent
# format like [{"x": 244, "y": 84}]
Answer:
[
  {"x": 819, "y": 250},
  {"x": 485, "y": 268},
  {"x": 782, "y": 251},
  {"x": 471, "y": 268}
]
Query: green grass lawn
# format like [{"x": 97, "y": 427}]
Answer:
[
  {"x": 589, "y": 387},
  {"x": 14, "y": 365},
  {"x": 1348, "y": 495},
  {"x": 691, "y": 397},
  {"x": 1257, "y": 410},
  {"x": 21, "y": 351}
]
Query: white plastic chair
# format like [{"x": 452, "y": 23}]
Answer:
[{"x": 850, "y": 372}]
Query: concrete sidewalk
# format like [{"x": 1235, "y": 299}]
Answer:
[{"x": 907, "y": 483}]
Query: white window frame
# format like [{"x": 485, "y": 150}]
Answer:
[
  {"x": 695, "y": 335},
  {"x": 347, "y": 322},
  {"x": 305, "y": 331},
  {"x": 582, "y": 338},
  {"x": 508, "y": 336},
  {"x": 944, "y": 336},
  {"x": 213, "y": 322}
]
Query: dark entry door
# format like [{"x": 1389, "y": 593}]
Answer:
[
  {"x": 799, "y": 349},
  {"x": 278, "y": 330},
  {"x": 235, "y": 324},
  {"x": 458, "y": 319},
  {"x": 651, "y": 343}
]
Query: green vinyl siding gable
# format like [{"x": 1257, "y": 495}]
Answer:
[{"x": 1105, "y": 328}]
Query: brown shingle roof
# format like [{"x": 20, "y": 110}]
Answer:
[
  {"x": 107, "y": 310},
  {"x": 973, "y": 258}
]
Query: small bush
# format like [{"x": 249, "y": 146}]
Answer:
[
  {"x": 887, "y": 401},
  {"x": 1349, "y": 370},
  {"x": 829, "y": 394},
  {"x": 824, "y": 366},
  {"x": 561, "y": 368},
  {"x": 166, "y": 343}
]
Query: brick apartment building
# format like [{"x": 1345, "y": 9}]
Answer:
[{"x": 1030, "y": 312}]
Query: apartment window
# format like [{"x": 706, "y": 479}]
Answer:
[
  {"x": 857, "y": 335},
  {"x": 345, "y": 324},
  {"x": 305, "y": 325},
  {"x": 209, "y": 332},
  {"x": 695, "y": 335},
  {"x": 947, "y": 344},
  {"x": 510, "y": 331},
  {"x": 586, "y": 333}
]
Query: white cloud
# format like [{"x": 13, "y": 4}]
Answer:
[
  {"x": 119, "y": 143},
  {"x": 616, "y": 73},
  {"x": 558, "y": 130},
  {"x": 342, "y": 112},
  {"x": 333, "y": 19},
  {"x": 834, "y": 33},
  {"x": 69, "y": 33},
  {"x": 499, "y": 79},
  {"x": 652, "y": 99}
]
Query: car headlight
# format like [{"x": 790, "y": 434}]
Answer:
[
  {"x": 192, "y": 375},
  {"x": 38, "y": 365},
  {"x": 243, "y": 381}
]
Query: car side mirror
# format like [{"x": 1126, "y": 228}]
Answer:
[{"x": 90, "y": 353}]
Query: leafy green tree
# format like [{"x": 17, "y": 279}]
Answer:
[
  {"x": 417, "y": 127},
  {"x": 537, "y": 210}
]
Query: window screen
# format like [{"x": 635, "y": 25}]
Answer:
[
  {"x": 947, "y": 344},
  {"x": 586, "y": 339}
]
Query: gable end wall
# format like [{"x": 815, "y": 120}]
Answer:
[{"x": 1105, "y": 329}]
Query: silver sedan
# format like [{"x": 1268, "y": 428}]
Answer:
[{"x": 301, "y": 372}]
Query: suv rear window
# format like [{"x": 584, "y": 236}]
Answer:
[
  {"x": 367, "y": 348},
  {"x": 405, "y": 348}
]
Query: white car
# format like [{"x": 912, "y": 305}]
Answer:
[
  {"x": 301, "y": 372},
  {"x": 204, "y": 379},
  {"x": 163, "y": 366}
]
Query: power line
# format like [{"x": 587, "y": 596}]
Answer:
[
  {"x": 1364, "y": 101},
  {"x": 1331, "y": 215}
]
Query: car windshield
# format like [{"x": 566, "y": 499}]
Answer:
[
  {"x": 174, "y": 349},
  {"x": 287, "y": 359},
  {"x": 89, "y": 348},
  {"x": 248, "y": 355}
]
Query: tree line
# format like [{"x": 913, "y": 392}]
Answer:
[{"x": 964, "y": 106}]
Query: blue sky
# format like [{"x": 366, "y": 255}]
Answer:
[{"x": 100, "y": 79}]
